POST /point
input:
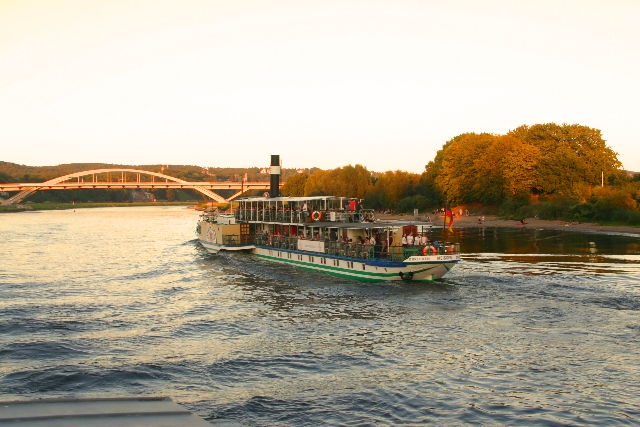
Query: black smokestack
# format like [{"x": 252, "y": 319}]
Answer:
[{"x": 275, "y": 176}]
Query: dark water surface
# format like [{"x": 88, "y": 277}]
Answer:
[{"x": 532, "y": 328}]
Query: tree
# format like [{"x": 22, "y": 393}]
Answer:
[
  {"x": 390, "y": 188},
  {"x": 5, "y": 178},
  {"x": 568, "y": 154},
  {"x": 347, "y": 181},
  {"x": 520, "y": 168},
  {"x": 294, "y": 186}
]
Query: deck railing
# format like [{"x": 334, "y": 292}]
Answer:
[
  {"x": 360, "y": 251},
  {"x": 299, "y": 217}
]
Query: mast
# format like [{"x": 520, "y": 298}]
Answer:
[{"x": 444, "y": 224}]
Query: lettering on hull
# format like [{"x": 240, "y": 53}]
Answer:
[{"x": 433, "y": 258}]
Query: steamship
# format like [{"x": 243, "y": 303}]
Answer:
[{"x": 328, "y": 234}]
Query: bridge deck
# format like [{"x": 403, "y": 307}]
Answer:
[{"x": 8, "y": 187}]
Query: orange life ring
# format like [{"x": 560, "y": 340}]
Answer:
[{"x": 316, "y": 216}]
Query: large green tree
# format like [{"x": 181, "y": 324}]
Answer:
[{"x": 568, "y": 154}]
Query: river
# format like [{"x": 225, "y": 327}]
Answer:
[{"x": 532, "y": 328}]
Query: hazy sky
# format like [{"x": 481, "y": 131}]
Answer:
[{"x": 323, "y": 83}]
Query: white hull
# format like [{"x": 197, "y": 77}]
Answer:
[
  {"x": 214, "y": 248},
  {"x": 416, "y": 268}
]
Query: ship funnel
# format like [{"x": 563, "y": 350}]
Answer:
[{"x": 275, "y": 176}]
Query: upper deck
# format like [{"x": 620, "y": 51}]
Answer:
[{"x": 301, "y": 210}]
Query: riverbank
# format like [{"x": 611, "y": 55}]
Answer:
[
  {"x": 494, "y": 221},
  {"x": 63, "y": 206}
]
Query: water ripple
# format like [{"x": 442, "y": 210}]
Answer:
[{"x": 532, "y": 328}]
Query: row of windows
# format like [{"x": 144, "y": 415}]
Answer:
[{"x": 336, "y": 262}]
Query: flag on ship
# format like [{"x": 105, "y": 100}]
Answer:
[{"x": 448, "y": 217}]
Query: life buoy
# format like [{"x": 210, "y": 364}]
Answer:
[{"x": 316, "y": 216}]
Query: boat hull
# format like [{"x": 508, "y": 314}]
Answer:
[
  {"x": 214, "y": 248},
  {"x": 415, "y": 269}
]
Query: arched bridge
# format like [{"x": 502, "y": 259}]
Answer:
[{"x": 153, "y": 180}]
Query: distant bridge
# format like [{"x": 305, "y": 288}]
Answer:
[{"x": 77, "y": 181}]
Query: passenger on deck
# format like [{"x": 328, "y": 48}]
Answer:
[
  {"x": 424, "y": 239},
  {"x": 410, "y": 240},
  {"x": 332, "y": 235},
  {"x": 404, "y": 240}
]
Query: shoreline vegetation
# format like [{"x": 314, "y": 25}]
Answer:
[{"x": 498, "y": 222}]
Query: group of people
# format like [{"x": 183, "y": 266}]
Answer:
[{"x": 417, "y": 240}]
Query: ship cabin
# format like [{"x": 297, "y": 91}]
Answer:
[{"x": 334, "y": 226}]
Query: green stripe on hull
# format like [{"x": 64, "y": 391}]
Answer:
[{"x": 367, "y": 276}]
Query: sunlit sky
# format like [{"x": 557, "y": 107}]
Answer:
[{"x": 322, "y": 83}]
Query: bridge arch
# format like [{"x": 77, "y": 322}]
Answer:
[{"x": 22, "y": 194}]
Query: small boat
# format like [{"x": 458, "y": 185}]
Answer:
[
  {"x": 134, "y": 411},
  {"x": 328, "y": 234}
]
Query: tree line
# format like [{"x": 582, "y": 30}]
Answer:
[{"x": 549, "y": 170}]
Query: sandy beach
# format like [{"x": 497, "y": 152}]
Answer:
[{"x": 494, "y": 221}]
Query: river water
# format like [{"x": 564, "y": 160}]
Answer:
[{"x": 532, "y": 328}]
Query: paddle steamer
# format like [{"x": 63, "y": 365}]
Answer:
[{"x": 328, "y": 234}]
